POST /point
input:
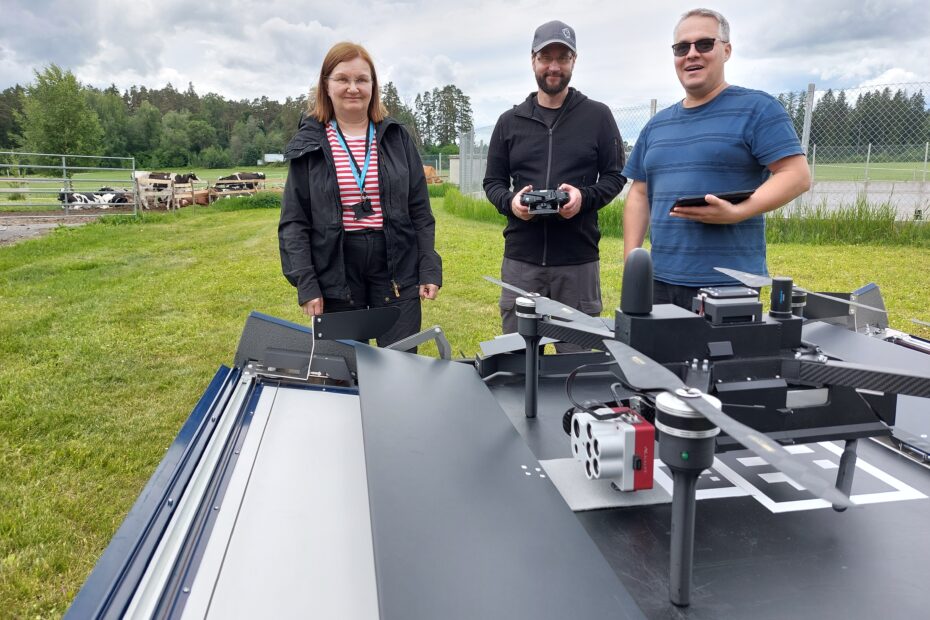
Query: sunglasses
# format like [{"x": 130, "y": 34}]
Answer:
[{"x": 701, "y": 45}]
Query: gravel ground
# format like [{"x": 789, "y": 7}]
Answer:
[{"x": 15, "y": 227}]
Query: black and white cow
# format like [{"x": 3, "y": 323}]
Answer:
[
  {"x": 251, "y": 180},
  {"x": 185, "y": 179},
  {"x": 104, "y": 198},
  {"x": 155, "y": 176}
]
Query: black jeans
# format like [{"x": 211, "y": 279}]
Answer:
[
  {"x": 370, "y": 285},
  {"x": 665, "y": 293}
]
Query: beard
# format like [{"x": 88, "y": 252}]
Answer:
[{"x": 564, "y": 78}]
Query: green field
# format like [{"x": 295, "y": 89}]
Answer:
[
  {"x": 112, "y": 331},
  {"x": 888, "y": 171}
]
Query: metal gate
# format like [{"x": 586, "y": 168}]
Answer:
[{"x": 38, "y": 185}]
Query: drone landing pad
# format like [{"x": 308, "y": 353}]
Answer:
[
  {"x": 582, "y": 494},
  {"x": 778, "y": 554}
]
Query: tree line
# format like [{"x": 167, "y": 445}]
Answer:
[
  {"x": 171, "y": 128},
  {"x": 896, "y": 124}
]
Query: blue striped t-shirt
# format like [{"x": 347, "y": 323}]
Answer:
[{"x": 721, "y": 146}]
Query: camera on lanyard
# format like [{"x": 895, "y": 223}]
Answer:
[{"x": 363, "y": 209}]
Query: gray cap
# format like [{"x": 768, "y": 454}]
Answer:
[{"x": 554, "y": 32}]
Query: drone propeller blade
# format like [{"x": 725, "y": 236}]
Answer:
[
  {"x": 771, "y": 452},
  {"x": 755, "y": 280},
  {"x": 841, "y": 300},
  {"x": 509, "y": 287},
  {"x": 640, "y": 372},
  {"x": 550, "y": 307},
  {"x": 749, "y": 279},
  {"x": 645, "y": 374},
  {"x": 919, "y": 322}
]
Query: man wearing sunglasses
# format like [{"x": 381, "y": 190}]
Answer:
[
  {"x": 718, "y": 139},
  {"x": 556, "y": 139}
]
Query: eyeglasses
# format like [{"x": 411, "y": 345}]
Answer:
[
  {"x": 562, "y": 59},
  {"x": 701, "y": 45},
  {"x": 361, "y": 82}
]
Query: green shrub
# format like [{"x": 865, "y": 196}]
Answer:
[
  {"x": 859, "y": 223},
  {"x": 610, "y": 218},
  {"x": 259, "y": 200},
  {"x": 439, "y": 190},
  {"x": 469, "y": 208}
]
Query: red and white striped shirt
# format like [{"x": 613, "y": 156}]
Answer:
[{"x": 348, "y": 188}]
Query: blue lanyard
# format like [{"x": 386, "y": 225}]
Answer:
[{"x": 369, "y": 137}]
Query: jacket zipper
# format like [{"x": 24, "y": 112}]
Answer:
[
  {"x": 385, "y": 199},
  {"x": 545, "y": 223},
  {"x": 337, "y": 200}
]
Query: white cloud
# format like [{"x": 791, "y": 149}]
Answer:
[{"x": 243, "y": 49}]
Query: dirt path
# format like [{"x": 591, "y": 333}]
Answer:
[{"x": 16, "y": 227}]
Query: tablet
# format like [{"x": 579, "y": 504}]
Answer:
[{"x": 698, "y": 201}]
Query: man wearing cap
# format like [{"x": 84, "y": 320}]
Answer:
[
  {"x": 556, "y": 139},
  {"x": 718, "y": 139}
]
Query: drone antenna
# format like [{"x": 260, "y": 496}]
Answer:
[{"x": 636, "y": 295}]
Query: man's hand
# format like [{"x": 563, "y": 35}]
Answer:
[
  {"x": 519, "y": 210},
  {"x": 717, "y": 211},
  {"x": 314, "y": 307},
  {"x": 428, "y": 291},
  {"x": 571, "y": 208}
]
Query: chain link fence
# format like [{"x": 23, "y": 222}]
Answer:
[{"x": 864, "y": 145}]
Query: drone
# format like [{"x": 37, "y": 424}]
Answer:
[
  {"x": 721, "y": 376},
  {"x": 320, "y": 476}
]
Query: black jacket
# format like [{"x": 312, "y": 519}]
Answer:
[
  {"x": 583, "y": 149},
  {"x": 310, "y": 233}
]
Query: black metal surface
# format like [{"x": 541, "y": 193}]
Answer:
[
  {"x": 459, "y": 529},
  {"x": 266, "y": 338},
  {"x": 750, "y": 563},
  {"x": 355, "y": 324}
]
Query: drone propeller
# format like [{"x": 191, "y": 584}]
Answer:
[
  {"x": 919, "y": 322},
  {"x": 551, "y": 307},
  {"x": 644, "y": 374},
  {"x": 755, "y": 280}
]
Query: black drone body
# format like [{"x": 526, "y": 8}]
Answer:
[{"x": 727, "y": 367}]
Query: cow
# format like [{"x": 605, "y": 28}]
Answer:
[
  {"x": 185, "y": 179},
  {"x": 155, "y": 176},
  {"x": 251, "y": 180},
  {"x": 103, "y": 198}
]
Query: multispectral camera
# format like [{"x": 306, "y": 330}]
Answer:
[{"x": 544, "y": 201}]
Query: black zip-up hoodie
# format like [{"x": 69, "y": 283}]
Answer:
[
  {"x": 310, "y": 233},
  {"x": 583, "y": 148}
]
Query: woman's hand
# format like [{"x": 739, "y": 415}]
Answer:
[
  {"x": 428, "y": 291},
  {"x": 314, "y": 307}
]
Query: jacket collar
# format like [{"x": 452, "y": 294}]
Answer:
[
  {"x": 311, "y": 135},
  {"x": 525, "y": 109}
]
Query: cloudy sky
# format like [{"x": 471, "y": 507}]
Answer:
[{"x": 244, "y": 49}]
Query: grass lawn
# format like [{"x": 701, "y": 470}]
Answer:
[
  {"x": 887, "y": 171},
  {"x": 111, "y": 332}
]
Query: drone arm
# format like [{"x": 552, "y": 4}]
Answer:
[
  {"x": 857, "y": 376},
  {"x": 586, "y": 335}
]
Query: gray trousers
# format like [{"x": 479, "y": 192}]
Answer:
[{"x": 577, "y": 286}]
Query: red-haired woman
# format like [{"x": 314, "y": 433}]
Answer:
[{"x": 356, "y": 228}]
